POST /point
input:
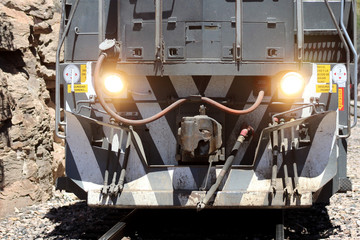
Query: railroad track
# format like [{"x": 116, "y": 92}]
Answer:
[
  {"x": 219, "y": 224},
  {"x": 118, "y": 231}
]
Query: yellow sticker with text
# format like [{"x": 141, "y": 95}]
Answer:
[
  {"x": 78, "y": 88},
  {"x": 323, "y": 73},
  {"x": 325, "y": 88},
  {"x": 83, "y": 73},
  {"x": 341, "y": 99}
]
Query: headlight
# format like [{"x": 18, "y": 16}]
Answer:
[
  {"x": 292, "y": 83},
  {"x": 115, "y": 85}
]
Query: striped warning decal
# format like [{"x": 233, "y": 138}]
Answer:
[
  {"x": 164, "y": 131},
  {"x": 159, "y": 130}
]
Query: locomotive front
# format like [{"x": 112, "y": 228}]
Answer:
[{"x": 206, "y": 103}]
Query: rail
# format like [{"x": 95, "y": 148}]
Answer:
[
  {"x": 352, "y": 47},
  {"x": 159, "y": 48},
  {"x": 300, "y": 28},
  {"x": 118, "y": 230},
  {"x": 101, "y": 21},
  {"x": 238, "y": 25},
  {"x": 311, "y": 105},
  {"x": 57, "y": 80},
  {"x": 348, "y": 127}
]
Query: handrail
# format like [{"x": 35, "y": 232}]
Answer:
[
  {"x": 238, "y": 25},
  {"x": 119, "y": 21},
  {"x": 158, "y": 31},
  {"x": 347, "y": 66},
  {"x": 101, "y": 6},
  {"x": 300, "y": 28},
  {"x": 355, "y": 62},
  {"x": 57, "y": 80}
]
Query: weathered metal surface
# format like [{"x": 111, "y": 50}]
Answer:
[
  {"x": 314, "y": 157},
  {"x": 155, "y": 186},
  {"x": 199, "y": 137},
  {"x": 191, "y": 199}
]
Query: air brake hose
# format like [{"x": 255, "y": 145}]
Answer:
[
  {"x": 115, "y": 115},
  {"x": 243, "y": 134},
  {"x": 97, "y": 87},
  {"x": 235, "y": 111}
]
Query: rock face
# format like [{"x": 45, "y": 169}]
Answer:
[{"x": 28, "y": 41}]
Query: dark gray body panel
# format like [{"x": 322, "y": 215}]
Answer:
[{"x": 200, "y": 29}]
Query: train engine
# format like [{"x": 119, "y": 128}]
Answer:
[{"x": 206, "y": 103}]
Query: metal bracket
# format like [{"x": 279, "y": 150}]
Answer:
[
  {"x": 77, "y": 32},
  {"x": 138, "y": 23},
  {"x": 271, "y": 22},
  {"x": 172, "y": 20}
]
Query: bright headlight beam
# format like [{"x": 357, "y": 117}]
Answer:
[
  {"x": 113, "y": 83},
  {"x": 292, "y": 83}
]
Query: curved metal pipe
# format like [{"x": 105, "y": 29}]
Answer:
[
  {"x": 355, "y": 60},
  {"x": 113, "y": 114},
  {"x": 235, "y": 111},
  {"x": 97, "y": 87},
  {"x": 57, "y": 80},
  {"x": 347, "y": 64}
]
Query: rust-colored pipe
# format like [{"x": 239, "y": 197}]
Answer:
[
  {"x": 114, "y": 114},
  {"x": 97, "y": 87},
  {"x": 235, "y": 111}
]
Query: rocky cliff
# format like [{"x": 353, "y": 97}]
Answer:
[{"x": 30, "y": 159}]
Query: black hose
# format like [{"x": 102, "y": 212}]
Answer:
[{"x": 225, "y": 168}]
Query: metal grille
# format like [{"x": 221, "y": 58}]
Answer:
[{"x": 323, "y": 48}]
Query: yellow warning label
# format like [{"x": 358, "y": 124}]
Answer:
[
  {"x": 83, "y": 73},
  {"x": 78, "y": 88},
  {"x": 341, "y": 99},
  {"x": 323, "y": 73},
  {"x": 325, "y": 88}
]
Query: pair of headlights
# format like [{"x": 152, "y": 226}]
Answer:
[{"x": 291, "y": 84}]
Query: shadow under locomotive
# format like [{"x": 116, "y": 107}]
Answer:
[{"x": 91, "y": 223}]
